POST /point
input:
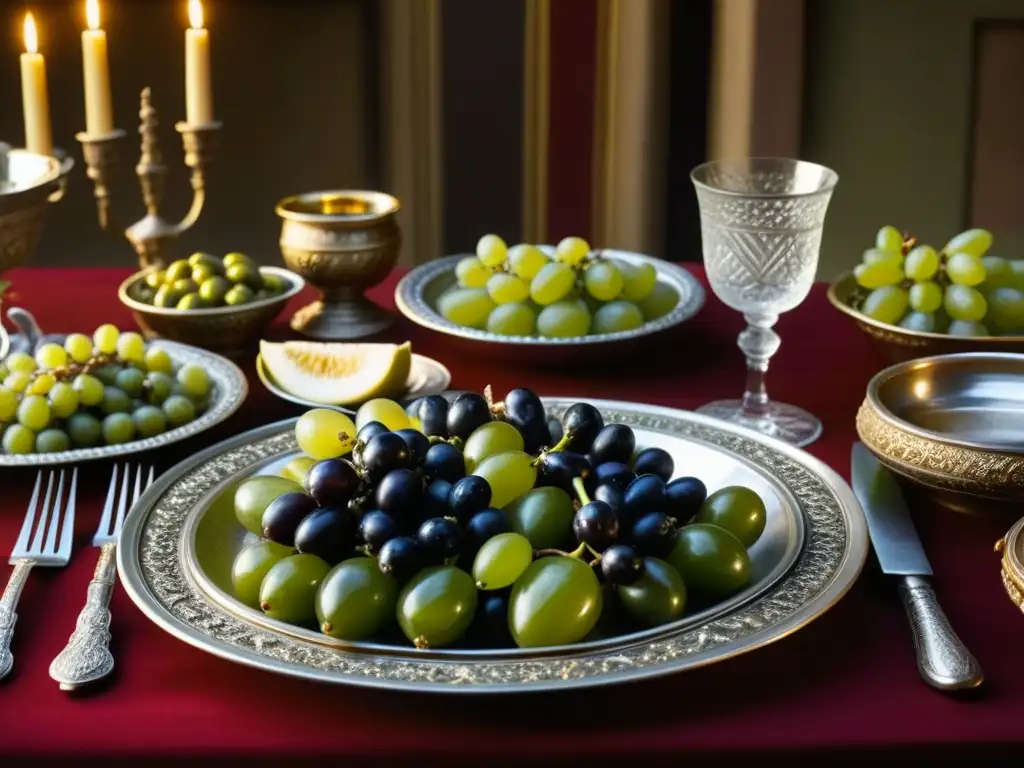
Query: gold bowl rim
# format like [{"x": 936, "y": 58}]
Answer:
[
  {"x": 297, "y": 284},
  {"x": 382, "y": 206}
]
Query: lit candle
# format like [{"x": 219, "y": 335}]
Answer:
[
  {"x": 198, "y": 91},
  {"x": 99, "y": 109},
  {"x": 34, "y": 101}
]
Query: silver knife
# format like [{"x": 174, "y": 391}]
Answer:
[{"x": 942, "y": 659}]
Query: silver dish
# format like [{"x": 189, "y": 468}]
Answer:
[
  {"x": 426, "y": 377},
  {"x": 178, "y": 544},
  {"x": 229, "y": 391},
  {"x": 417, "y": 293}
]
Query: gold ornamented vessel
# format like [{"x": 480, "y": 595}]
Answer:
[
  {"x": 1011, "y": 547},
  {"x": 28, "y": 184},
  {"x": 343, "y": 242}
]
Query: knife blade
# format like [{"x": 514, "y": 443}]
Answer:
[{"x": 942, "y": 659}]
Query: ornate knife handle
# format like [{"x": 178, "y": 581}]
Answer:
[
  {"x": 86, "y": 658},
  {"x": 8, "y": 617},
  {"x": 942, "y": 659}
]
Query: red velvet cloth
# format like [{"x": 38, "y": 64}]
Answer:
[{"x": 848, "y": 682}]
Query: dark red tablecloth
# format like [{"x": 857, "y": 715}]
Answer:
[{"x": 846, "y": 683}]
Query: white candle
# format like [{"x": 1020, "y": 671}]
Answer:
[
  {"x": 198, "y": 89},
  {"x": 35, "y": 102},
  {"x": 99, "y": 108}
]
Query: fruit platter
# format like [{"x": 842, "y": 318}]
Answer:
[{"x": 461, "y": 544}]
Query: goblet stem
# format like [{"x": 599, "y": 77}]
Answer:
[{"x": 758, "y": 342}]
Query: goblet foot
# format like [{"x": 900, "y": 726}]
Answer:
[
  {"x": 785, "y": 422},
  {"x": 338, "y": 320}
]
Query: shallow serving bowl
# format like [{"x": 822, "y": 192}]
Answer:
[
  {"x": 952, "y": 428},
  {"x": 897, "y": 344},
  {"x": 417, "y": 293},
  {"x": 228, "y": 330}
]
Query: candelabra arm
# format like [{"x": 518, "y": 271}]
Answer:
[
  {"x": 100, "y": 154},
  {"x": 201, "y": 143}
]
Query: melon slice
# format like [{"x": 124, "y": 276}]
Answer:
[{"x": 338, "y": 374}]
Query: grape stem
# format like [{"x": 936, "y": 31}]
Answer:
[
  {"x": 581, "y": 490},
  {"x": 497, "y": 409},
  {"x": 577, "y": 553},
  {"x": 559, "y": 446}
]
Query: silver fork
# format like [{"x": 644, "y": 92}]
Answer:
[
  {"x": 40, "y": 548},
  {"x": 87, "y": 658}
]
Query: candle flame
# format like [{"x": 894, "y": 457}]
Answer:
[
  {"x": 195, "y": 14},
  {"x": 92, "y": 13},
  {"x": 31, "y": 37}
]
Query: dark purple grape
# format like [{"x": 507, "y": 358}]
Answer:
[
  {"x": 560, "y": 468},
  {"x": 525, "y": 411},
  {"x": 645, "y": 494},
  {"x": 555, "y": 431},
  {"x": 283, "y": 515},
  {"x": 418, "y": 444},
  {"x": 400, "y": 493},
  {"x": 444, "y": 462},
  {"x": 654, "y": 534},
  {"x": 440, "y": 537},
  {"x": 433, "y": 415},
  {"x": 654, "y": 461},
  {"x": 684, "y": 497},
  {"x": 329, "y": 533},
  {"x": 596, "y": 524},
  {"x": 435, "y": 499},
  {"x": 610, "y": 495},
  {"x": 468, "y": 496},
  {"x": 332, "y": 482},
  {"x": 615, "y": 442},
  {"x": 621, "y": 565},
  {"x": 583, "y": 421},
  {"x": 490, "y": 624},
  {"x": 369, "y": 431},
  {"x": 377, "y": 528},
  {"x": 614, "y": 472},
  {"x": 400, "y": 558},
  {"x": 385, "y": 452},
  {"x": 485, "y": 525},
  {"x": 466, "y": 414}
]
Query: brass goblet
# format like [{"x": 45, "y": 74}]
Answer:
[
  {"x": 28, "y": 183},
  {"x": 342, "y": 242}
]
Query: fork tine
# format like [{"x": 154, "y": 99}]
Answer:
[
  {"x": 138, "y": 485},
  {"x": 44, "y": 514},
  {"x": 103, "y": 529},
  {"x": 122, "y": 503},
  {"x": 55, "y": 517},
  {"x": 26, "y": 528},
  {"x": 149, "y": 480},
  {"x": 68, "y": 530}
]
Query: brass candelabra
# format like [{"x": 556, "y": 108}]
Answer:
[{"x": 152, "y": 235}]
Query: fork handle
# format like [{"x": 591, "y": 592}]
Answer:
[
  {"x": 8, "y": 616},
  {"x": 87, "y": 658}
]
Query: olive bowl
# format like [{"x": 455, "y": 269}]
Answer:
[{"x": 229, "y": 330}]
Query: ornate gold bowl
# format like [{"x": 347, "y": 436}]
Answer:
[
  {"x": 1011, "y": 547},
  {"x": 28, "y": 183},
  {"x": 952, "y": 428}
]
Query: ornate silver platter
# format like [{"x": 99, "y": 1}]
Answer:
[
  {"x": 179, "y": 541},
  {"x": 229, "y": 389}
]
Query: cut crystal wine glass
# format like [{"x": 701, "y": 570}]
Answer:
[{"x": 761, "y": 221}]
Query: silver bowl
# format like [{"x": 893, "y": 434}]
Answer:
[{"x": 417, "y": 293}]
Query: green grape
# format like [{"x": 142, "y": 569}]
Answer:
[
  {"x": 288, "y": 591},
  {"x": 616, "y": 316},
  {"x": 922, "y": 263},
  {"x": 501, "y": 560},
  {"x": 553, "y": 283},
  {"x": 973, "y": 242},
  {"x": 526, "y": 261},
  {"x": 998, "y": 273},
  {"x": 964, "y": 303},
  {"x": 130, "y": 381},
  {"x": 115, "y": 401},
  {"x": 967, "y": 328},
  {"x": 510, "y": 475},
  {"x": 326, "y": 434},
  {"x": 19, "y": 362},
  {"x": 79, "y": 347},
  {"x": 877, "y": 256},
  {"x": 131, "y": 347},
  {"x": 149, "y": 421},
  {"x": 491, "y": 250},
  {"x": 920, "y": 321},
  {"x": 254, "y": 494},
  {"x": 298, "y": 468},
  {"x": 712, "y": 561},
  {"x": 466, "y": 306},
  {"x": 663, "y": 299},
  {"x": 178, "y": 270},
  {"x": 34, "y": 412},
  {"x": 105, "y": 338},
  {"x": 544, "y": 516},
  {"x": 877, "y": 275},
  {"x": 572, "y": 250},
  {"x": 84, "y": 429},
  {"x": 356, "y": 600},
  {"x": 107, "y": 373},
  {"x": 471, "y": 272},
  {"x": 436, "y": 606},
  {"x": 41, "y": 384},
  {"x": 515, "y": 319},
  {"x": 52, "y": 441},
  {"x": 155, "y": 280},
  {"x": 179, "y": 410},
  {"x": 18, "y": 381},
  {"x": 925, "y": 297},
  {"x": 557, "y": 601},
  {"x": 887, "y": 304},
  {"x": 488, "y": 440},
  {"x": 214, "y": 289},
  {"x": 89, "y": 389},
  {"x": 657, "y": 597},
  {"x": 889, "y": 239},
  {"x": 638, "y": 281},
  {"x": 3, "y": 371},
  {"x": 51, "y": 356},
  {"x": 19, "y": 439},
  {"x": 963, "y": 269},
  {"x": 238, "y": 295},
  {"x": 1018, "y": 274},
  {"x": 118, "y": 428},
  {"x": 8, "y": 404},
  {"x": 63, "y": 400},
  {"x": 504, "y": 288},
  {"x": 387, "y": 412},
  {"x": 159, "y": 387},
  {"x": 737, "y": 509},
  {"x": 564, "y": 319},
  {"x": 603, "y": 280},
  {"x": 1006, "y": 309},
  {"x": 157, "y": 360},
  {"x": 194, "y": 380}
]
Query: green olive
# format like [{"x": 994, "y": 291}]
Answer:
[
  {"x": 167, "y": 296},
  {"x": 657, "y": 597},
  {"x": 178, "y": 270},
  {"x": 236, "y": 258},
  {"x": 145, "y": 293},
  {"x": 155, "y": 280},
  {"x": 201, "y": 273},
  {"x": 274, "y": 283},
  {"x": 737, "y": 509},
  {"x": 185, "y": 285},
  {"x": 711, "y": 560},
  {"x": 239, "y": 294},
  {"x": 247, "y": 274},
  {"x": 213, "y": 290},
  {"x": 191, "y": 301},
  {"x": 206, "y": 259}
]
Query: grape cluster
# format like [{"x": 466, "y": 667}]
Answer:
[
  {"x": 959, "y": 290},
  {"x": 519, "y": 291},
  {"x": 203, "y": 281},
  {"x": 484, "y": 522},
  {"x": 108, "y": 389}
]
